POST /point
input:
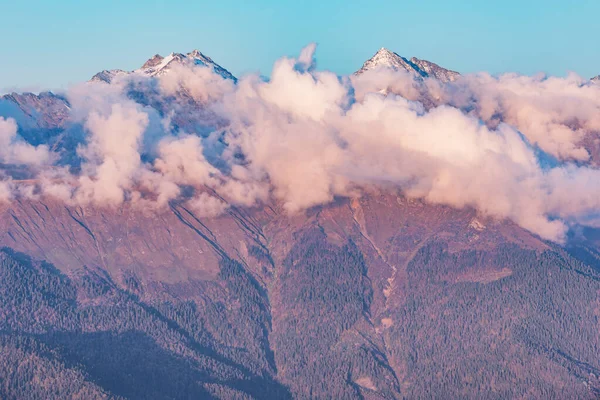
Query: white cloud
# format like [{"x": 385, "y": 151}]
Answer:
[
  {"x": 14, "y": 150},
  {"x": 206, "y": 206},
  {"x": 306, "y": 136},
  {"x": 6, "y": 191},
  {"x": 112, "y": 158}
]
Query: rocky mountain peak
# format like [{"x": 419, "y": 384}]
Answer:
[
  {"x": 158, "y": 65},
  {"x": 385, "y": 58}
]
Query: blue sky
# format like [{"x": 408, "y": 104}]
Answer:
[{"x": 50, "y": 44}]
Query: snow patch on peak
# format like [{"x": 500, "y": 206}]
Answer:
[
  {"x": 596, "y": 79},
  {"x": 385, "y": 58},
  {"x": 198, "y": 54}
]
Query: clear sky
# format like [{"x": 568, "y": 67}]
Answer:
[{"x": 52, "y": 43}]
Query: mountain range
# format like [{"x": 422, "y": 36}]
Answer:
[
  {"x": 46, "y": 111},
  {"x": 379, "y": 296}
]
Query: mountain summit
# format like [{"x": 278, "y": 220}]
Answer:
[
  {"x": 385, "y": 58},
  {"x": 158, "y": 65}
]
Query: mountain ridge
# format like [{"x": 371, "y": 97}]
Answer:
[{"x": 158, "y": 65}]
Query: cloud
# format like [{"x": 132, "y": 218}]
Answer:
[
  {"x": 306, "y": 136},
  {"x": 14, "y": 150},
  {"x": 312, "y": 150},
  {"x": 206, "y": 206},
  {"x": 553, "y": 113},
  {"x": 200, "y": 83},
  {"x": 181, "y": 160},
  {"x": 6, "y": 192},
  {"x": 111, "y": 155}
]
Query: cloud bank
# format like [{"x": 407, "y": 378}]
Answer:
[{"x": 513, "y": 147}]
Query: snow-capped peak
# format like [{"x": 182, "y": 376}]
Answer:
[
  {"x": 385, "y": 58},
  {"x": 158, "y": 65},
  {"x": 596, "y": 79}
]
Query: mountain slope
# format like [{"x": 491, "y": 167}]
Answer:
[
  {"x": 380, "y": 297},
  {"x": 85, "y": 325}
]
